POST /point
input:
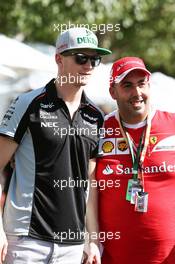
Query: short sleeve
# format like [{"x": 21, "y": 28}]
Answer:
[{"x": 14, "y": 123}]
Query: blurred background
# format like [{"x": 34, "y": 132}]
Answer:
[{"x": 29, "y": 28}]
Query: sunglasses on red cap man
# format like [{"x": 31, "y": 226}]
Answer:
[{"x": 123, "y": 66}]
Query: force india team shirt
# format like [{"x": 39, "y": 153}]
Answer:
[{"x": 47, "y": 193}]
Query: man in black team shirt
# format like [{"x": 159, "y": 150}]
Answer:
[{"x": 53, "y": 133}]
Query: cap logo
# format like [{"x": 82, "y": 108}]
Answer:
[
  {"x": 129, "y": 62},
  {"x": 85, "y": 40},
  {"x": 63, "y": 46}
]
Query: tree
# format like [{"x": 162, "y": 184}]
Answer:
[{"x": 128, "y": 27}]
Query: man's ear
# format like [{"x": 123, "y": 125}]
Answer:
[
  {"x": 58, "y": 59},
  {"x": 112, "y": 91}
]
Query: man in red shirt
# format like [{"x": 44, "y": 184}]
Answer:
[{"x": 136, "y": 165}]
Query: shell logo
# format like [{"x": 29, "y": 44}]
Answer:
[
  {"x": 122, "y": 145},
  {"x": 107, "y": 146}
]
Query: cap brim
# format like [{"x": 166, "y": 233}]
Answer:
[
  {"x": 101, "y": 51},
  {"x": 123, "y": 75}
]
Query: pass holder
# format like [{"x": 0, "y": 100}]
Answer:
[
  {"x": 134, "y": 190},
  {"x": 141, "y": 202},
  {"x": 134, "y": 185}
]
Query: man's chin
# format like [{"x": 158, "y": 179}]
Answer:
[
  {"x": 83, "y": 83},
  {"x": 79, "y": 84},
  {"x": 84, "y": 79},
  {"x": 140, "y": 113}
]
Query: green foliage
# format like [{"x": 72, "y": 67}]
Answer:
[{"x": 147, "y": 28}]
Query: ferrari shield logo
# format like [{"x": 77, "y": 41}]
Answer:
[{"x": 153, "y": 140}]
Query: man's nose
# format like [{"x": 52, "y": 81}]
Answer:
[
  {"x": 88, "y": 64},
  {"x": 137, "y": 91}
]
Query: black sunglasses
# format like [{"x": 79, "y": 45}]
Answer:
[{"x": 81, "y": 58}]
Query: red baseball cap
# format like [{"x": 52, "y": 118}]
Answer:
[{"x": 125, "y": 65}]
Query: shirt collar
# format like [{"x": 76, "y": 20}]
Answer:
[{"x": 53, "y": 95}]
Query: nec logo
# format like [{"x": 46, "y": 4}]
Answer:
[{"x": 49, "y": 124}]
